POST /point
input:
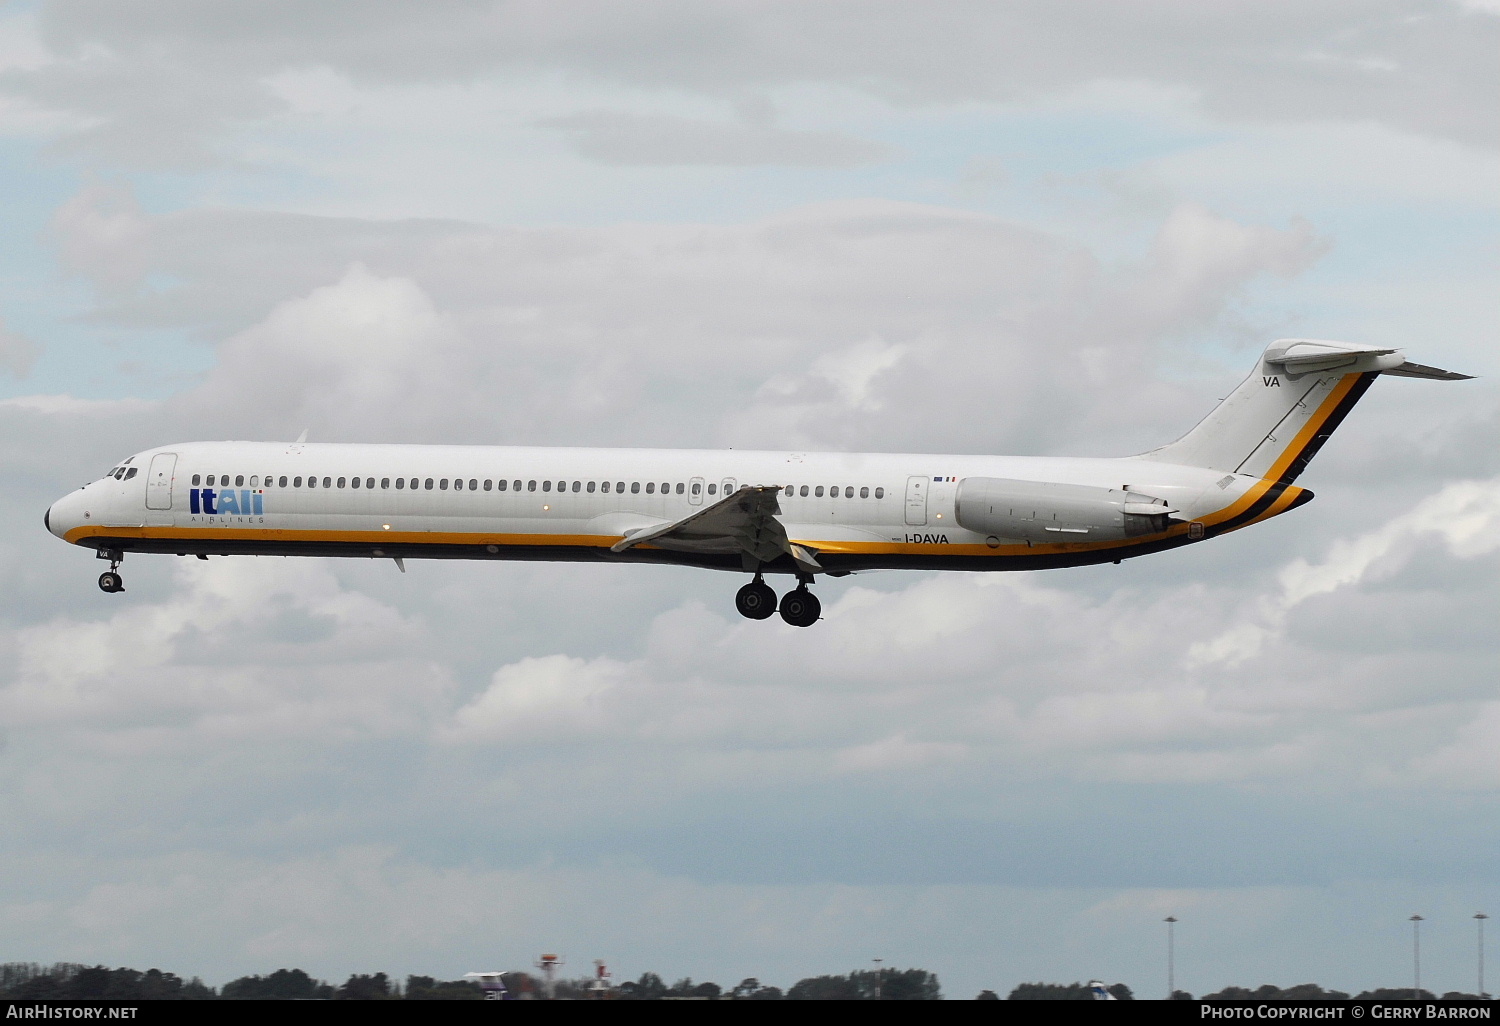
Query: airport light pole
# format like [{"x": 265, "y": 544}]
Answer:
[
  {"x": 1479, "y": 918},
  {"x": 878, "y": 978},
  {"x": 1416, "y": 958},
  {"x": 1171, "y": 962}
]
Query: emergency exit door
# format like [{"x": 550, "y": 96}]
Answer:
[{"x": 916, "y": 500}]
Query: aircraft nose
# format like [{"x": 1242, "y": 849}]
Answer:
[{"x": 64, "y": 514}]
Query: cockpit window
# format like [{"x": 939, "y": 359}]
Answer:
[{"x": 130, "y": 473}]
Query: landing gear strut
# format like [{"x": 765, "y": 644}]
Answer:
[
  {"x": 756, "y": 600},
  {"x": 110, "y": 581}
]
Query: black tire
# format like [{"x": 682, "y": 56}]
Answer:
[
  {"x": 110, "y": 582},
  {"x": 755, "y": 601},
  {"x": 801, "y": 608}
]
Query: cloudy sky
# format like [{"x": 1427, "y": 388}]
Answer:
[{"x": 1018, "y": 227}]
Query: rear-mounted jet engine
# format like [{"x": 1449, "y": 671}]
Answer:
[{"x": 1040, "y": 511}]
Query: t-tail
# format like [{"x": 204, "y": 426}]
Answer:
[{"x": 1275, "y": 422}]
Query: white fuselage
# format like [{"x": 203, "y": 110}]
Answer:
[{"x": 855, "y": 510}]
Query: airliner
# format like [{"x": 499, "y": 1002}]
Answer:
[{"x": 799, "y": 514}]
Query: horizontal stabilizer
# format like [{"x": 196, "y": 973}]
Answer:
[{"x": 1420, "y": 370}]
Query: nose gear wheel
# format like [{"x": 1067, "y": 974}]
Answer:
[{"x": 111, "y": 582}]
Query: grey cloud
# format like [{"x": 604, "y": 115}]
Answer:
[
  {"x": 160, "y": 79},
  {"x": 619, "y": 137},
  {"x": 832, "y": 326},
  {"x": 17, "y": 352}
]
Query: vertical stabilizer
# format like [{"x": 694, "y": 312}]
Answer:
[{"x": 1275, "y": 422}]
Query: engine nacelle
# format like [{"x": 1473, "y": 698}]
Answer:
[{"x": 1041, "y": 511}]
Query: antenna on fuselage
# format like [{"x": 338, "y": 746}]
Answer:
[{"x": 301, "y": 438}]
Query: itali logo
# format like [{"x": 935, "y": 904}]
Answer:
[{"x": 227, "y": 501}]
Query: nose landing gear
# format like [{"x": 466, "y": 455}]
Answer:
[{"x": 110, "y": 581}]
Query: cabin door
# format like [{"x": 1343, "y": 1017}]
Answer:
[
  {"x": 916, "y": 500},
  {"x": 159, "y": 480}
]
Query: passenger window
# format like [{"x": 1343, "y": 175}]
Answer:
[
  {"x": 713, "y": 489},
  {"x": 804, "y": 491},
  {"x": 880, "y": 493},
  {"x": 195, "y": 480},
  {"x": 864, "y": 493},
  {"x": 650, "y": 487},
  {"x": 562, "y": 486},
  {"x": 369, "y": 482},
  {"x": 591, "y": 488},
  {"x": 458, "y": 484},
  {"x": 503, "y": 485},
  {"x": 818, "y": 491},
  {"x": 488, "y": 484},
  {"x": 209, "y": 480},
  {"x": 443, "y": 485},
  {"x": 385, "y": 482},
  {"x": 604, "y": 487},
  {"x": 531, "y": 486},
  {"x": 679, "y": 488},
  {"x": 546, "y": 486},
  {"x": 474, "y": 484},
  {"x": 254, "y": 481},
  {"x": 848, "y": 491},
  {"x": 577, "y": 485},
  {"x": 665, "y": 487},
  {"x": 400, "y": 482},
  {"x": 341, "y": 482},
  {"x": 312, "y": 482},
  {"x": 697, "y": 488},
  {"x": 516, "y": 486},
  {"x": 326, "y": 483},
  {"x": 428, "y": 484},
  {"x": 239, "y": 481},
  {"x": 635, "y": 487},
  {"x": 352, "y": 481},
  {"x": 791, "y": 490},
  {"x": 296, "y": 482}
]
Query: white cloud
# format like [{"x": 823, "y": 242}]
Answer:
[
  {"x": 1415, "y": 66},
  {"x": 1465, "y": 515},
  {"x": 621, "y": 137}
]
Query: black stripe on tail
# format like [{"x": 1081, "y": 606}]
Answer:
[{"x": 1299, "y": 463}]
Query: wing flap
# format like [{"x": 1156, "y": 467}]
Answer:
[{"x": 744, "y": 522}]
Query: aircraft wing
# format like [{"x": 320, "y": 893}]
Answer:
[{"x": 744, "y": 522}]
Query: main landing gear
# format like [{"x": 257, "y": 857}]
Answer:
[
  {"x": 756, "y": 600},
  {"x": 799, "y": 607},
  {"x": 110, "y": 581}
]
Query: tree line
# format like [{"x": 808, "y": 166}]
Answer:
[{"x": 70, "y": 981}]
